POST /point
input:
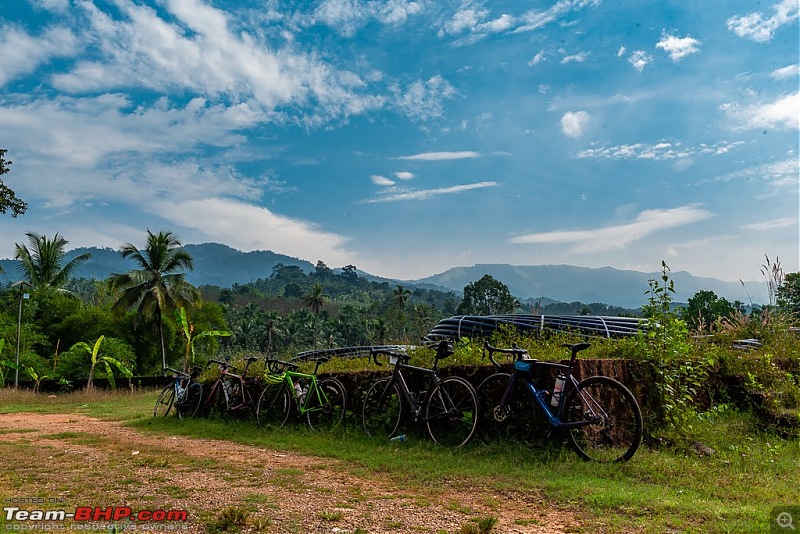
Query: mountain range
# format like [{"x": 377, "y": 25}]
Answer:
[{"x": 223, "y": 266}]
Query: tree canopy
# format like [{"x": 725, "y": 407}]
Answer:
[
  {"x": 8, "y": 199},
  {"x": 487, "y": 296}
]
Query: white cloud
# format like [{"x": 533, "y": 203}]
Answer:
[
  {"x": 439, "y": 156},
  {"x": 778, "y": 175},
  {"x": 761, "y": 28},
  {"x": 247, "y": 227},
  {"x": 619, "y": 236},
  {"x": 404, "y": 175},
  {"x": 576, "y": 58},
  {"x": 423, "y": 100},
  {"x": 781, "y": 113},
  {"x": 23, "y": 53},
  {"x": 792, "y": 71},
  {"x": 658, "y": 152},
  {"x": 538, "y": 58},
  {"x": 533, "y": 19},
  {"x": 425, "y": 194},
  {"x": 773, "y": 224},
  {"x": 573, "y": 123},
  {"x": 381, "y": 180},
  {"x": 678, "y": 47},
  {"x": 621, "y": 51},
  {"x": 639, "y": 59}
]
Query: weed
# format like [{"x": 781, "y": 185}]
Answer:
[
  {"x": 228, "y": 520},
  {"x": 482, "y": 525},
  {"x": 330, "y": 516}
]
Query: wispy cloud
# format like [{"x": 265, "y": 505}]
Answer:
[
  {"x": 678, "y": 47},
  {"x": 639, "y": 59},
  {"x": 761, "y": 28},
  {"x": 659, "y": 151},
  {"x": 781, "y": 113},
  {"x": 381, "y": 180},
  {"x": 23, "y": 53},
  {"x": 773, "y": 224},
  {"x": 404, "y": 175},
  {"x": 425, "y": 194},
  {"x": 535, "y": 19},
  {"x": 440, "y": 156},
  {"x": 346, "y": 17},
  {"x": 423, "y": 100},
  {"x": 778, "y": 175},
  {"x": 792, "y": 71},
  {"x": 580, "y": 57},
  {"x": 621, "y": 235},
  {"x": 573, "y": 123}
]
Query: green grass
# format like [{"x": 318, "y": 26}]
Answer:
[{"x": 731, "y": 490}]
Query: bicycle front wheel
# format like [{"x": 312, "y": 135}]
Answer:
[
  {"x": 326, "y": 406},
  {"x": 164, "y": 402},
  {"x": 513, "y": 421},
  {"x": 613, "y": 429},
  {"x": 274, "y": 406},
  {"x": 382, "y": 410},
  {"x": 451, "y": 412},
  {"x": 194, "y": 397}
]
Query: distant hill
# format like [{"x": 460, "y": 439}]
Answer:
[
  {"x": 568, "y": 283},
  {"x": 214, "y": 264},
  {"x": 223, "y": 266}
]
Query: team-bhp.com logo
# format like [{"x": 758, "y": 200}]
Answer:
[{"x": 94, "y": 513}]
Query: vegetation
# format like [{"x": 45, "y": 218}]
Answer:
[
  {"x": 42, "y": 264},
  {"x": 8, "y": 199}
]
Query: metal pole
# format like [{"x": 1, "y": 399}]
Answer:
[{"x": 19, "y": 328}]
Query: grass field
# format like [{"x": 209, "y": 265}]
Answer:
[{"x": 732, "y": 489}]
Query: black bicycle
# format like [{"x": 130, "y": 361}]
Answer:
[
  {"x": 599, "y": 414},
  {"x": 448, "y": 407},
  {"x": 184, "y": 394},
  {"x": 232, "y": 393}
]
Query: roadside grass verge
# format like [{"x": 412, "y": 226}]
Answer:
[{"x": 731, "y": 490}]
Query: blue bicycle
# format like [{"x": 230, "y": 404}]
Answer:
[
  {"x": 184, "y": 394},
  {"x": 599, "y": 415}
]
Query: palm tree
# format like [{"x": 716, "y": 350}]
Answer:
[
  {"x": 158, "y": 286},
  {"x": 400, "y": 296},
  {"x": 43, "y": 263},
  {"x": 315, "y": 298}
]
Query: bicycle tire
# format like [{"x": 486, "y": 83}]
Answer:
[
  {"x": 517, "y": 421},
  {"x": 382, "y": 411},
  {"x": 194, "y": 397},
  {"x": 451, "y": 412},
  {"x": 216, "y": 405},
  {"x": 274, "y": 406},
  {"x": 164, "y": 401},
  {"x": 616, "y": 432},
  {"x": 326, "y": 407}
]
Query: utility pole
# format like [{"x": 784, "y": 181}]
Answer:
[{"x": 22, "y": 295}]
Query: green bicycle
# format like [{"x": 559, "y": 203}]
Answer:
[{"x": 322, "y": 402}]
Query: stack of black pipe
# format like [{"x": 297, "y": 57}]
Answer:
[{"x": 473, "y": 326}]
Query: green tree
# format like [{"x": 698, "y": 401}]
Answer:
[
  {"x": 191, "y": 336},
  {"x": 107, "y": 362},
  {"x": 487, "y": 296},
  {"x": 704, "y": 309},
  {"x": 159, "y": 285},
  {"x": 315, "y": 298},
  {"x": 8, "y": 199},
  {"x": 400, "y": 296},
  {"x": 43, "y": 263},
  {"x": 788, "y": 294}
]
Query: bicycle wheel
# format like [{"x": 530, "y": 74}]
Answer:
[
  {"x": 274, "y": 406},
  {"x": 194, "y": 397},
  {"x": 614, "y": 431},
  {"x": 164, "y": 401},
  {"x": 326, "y": 405},
  {"x": 382, "y": 411},
  {"x": 451, "y": 412},
  {"x": 518, "y": 420}
]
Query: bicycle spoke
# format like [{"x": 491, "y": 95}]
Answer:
[
  {"x": 614, "y": 429},
  {"x": 451, "y": 412},
  {"x": 518, "y": 420},
  {"x": 274, "y": 406},
  {"x": 164, "y": 402},
  {"x": 326, "y": 405},
  {"x": 382, "y": 410}
]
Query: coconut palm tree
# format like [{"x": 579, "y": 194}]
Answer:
[
  {"x": 43, "y": 263},
  {"x": 400, "y": 296},
  {"x": 315, "y": 298},
  {"x": 158, "y": 287}
]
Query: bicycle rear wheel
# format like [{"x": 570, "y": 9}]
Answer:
[
  {"x": 451, "y": 412},
  {"x": 517, "y": 420},
  {"x": 614, "y": 429},
  {"x": 164, "y": 402},
  {"x": 382, "y": 411},
  {"x": 274, "y": 406},
  {"x": 194, "y": 397},
  {"x": 326, "y": 406}
]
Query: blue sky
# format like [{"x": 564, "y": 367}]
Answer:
[{"x": 410, "y": 137}]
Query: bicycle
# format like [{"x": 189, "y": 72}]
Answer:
[
  {"x": 448, "y": 407},
  {"x": 323, "y": 402},
  {"x": 184, "y": 394},
  {"x": 232, "y": 392},
  {"x": 600, "y": 415}
]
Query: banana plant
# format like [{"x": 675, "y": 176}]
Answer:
[
  {"x": 191, "y": 336},
  {"x": 7, "y": 364},
  {"x": 37, "y": 380},
  {"x": 107, "y": 362}
]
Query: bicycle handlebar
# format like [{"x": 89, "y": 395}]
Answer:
[
  {"x": 274, "y": 365},
  {"x": 390, "y": 353},
  {"x": 515, "y": 351}
]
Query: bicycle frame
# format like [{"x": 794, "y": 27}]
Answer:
[
  {"x": 219, "y": 383},
  {"x": 291, "y": 377}
]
